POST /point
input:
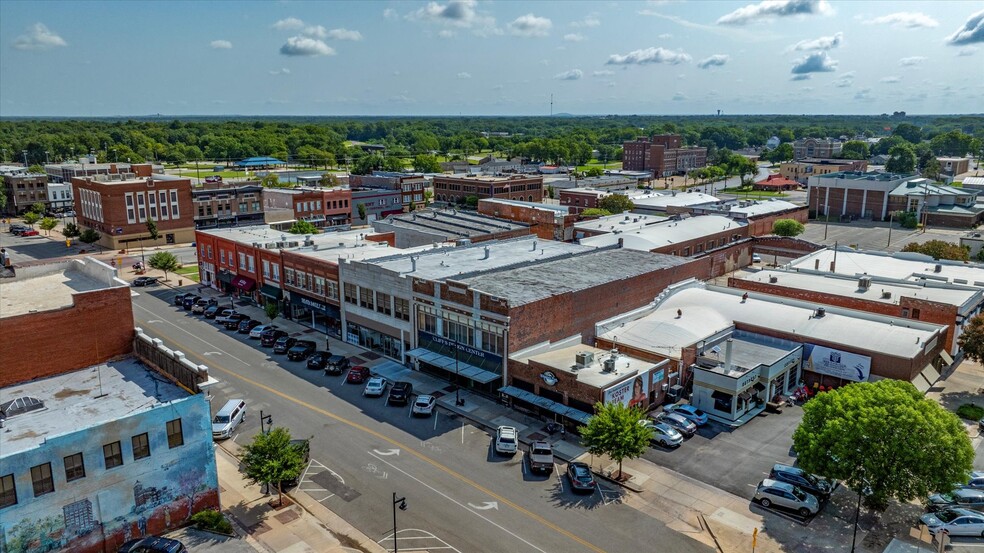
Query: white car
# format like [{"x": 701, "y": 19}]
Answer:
[
  {"x": 376, "y": 387},
  {"x": 663, "y": 434},
  {"x": 258, "y": 330},
  {"x": 756, "y": 258},
  {"x": 423, "y": 405},
  {"x": 506, "y": 440},
  {"x": 957, "y": 522}
]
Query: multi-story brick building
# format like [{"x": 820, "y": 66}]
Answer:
[
  {"x": 800, "y": 171},
  {"x": 548, "y": 221},
  {"x": 412, "y": 185},
  {"x": 24, "y": 189},
  {"x": 662, "y": 154},
  {"x": 378, "y": 203},
  {"x": 817, "y": 148},
  {"x": 433, "y": 226},
  {"x": 953, "y": 166},
  {"x": 226, "y": 204},
  {"x": 65, "y": 172},
  {"x": 322, "y": 207},
  {"x": 119, "y": 206},
  {"x": 452, "y": 189}
]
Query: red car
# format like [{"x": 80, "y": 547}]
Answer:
[
  {"x": 31, "y": 232},
  {"x": 357, "y": 375}
]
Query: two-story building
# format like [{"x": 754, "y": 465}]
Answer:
[
  {"x": 411, "y": 185},
  {"x": 453, "y": 189},
  {"x": 226, "y": 204}
]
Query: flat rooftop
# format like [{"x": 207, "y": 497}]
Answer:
[
  {"x": 667, "y": 233},
  {"x": 561, "y": 209},
  {"x": 528, "y": 284},
  {"x": 748, "y": 351},
  {"x": 707, "y": 310},
  {"x": 489, "y": 178},
  {"x": 762, "y": 208},
  {"x": 353, "y": 249},
  {"x": 623, "y": 222},
  {"x": 268, "y": 237},
  {"x": 594, "y": 374},
  {"x": 50, "y": 287},
  {"x": 861, "y": 175},
  {"x": 452, "y": 223},
  {"x": 846, "y": 286},
  {"x": 448, "y": 262},
  {"x": 74, "y": 401},
  {"x": 900, "y": 266},
  {"x": 656, "y": 200}
]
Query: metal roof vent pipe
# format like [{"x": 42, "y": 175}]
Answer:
[
  {"x": 413, "y": 264},
  {"x": 488, "y": 251},
  {"x": 727, "y": 354},
  {"x": 534, "y": 246}
]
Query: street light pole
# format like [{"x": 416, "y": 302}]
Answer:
[
  {"x": 402, "y": 502},
  {"x": 269, "y": 422},
  {"x": 457, "y": 381},
  {"x": 864, "y": 489}
]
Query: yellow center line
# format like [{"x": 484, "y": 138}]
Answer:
[{"x": 422, "y": 457}]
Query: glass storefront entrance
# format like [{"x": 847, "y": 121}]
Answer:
[
  {"x": 315, "y": 314},
  {"x": 376, "y": 341}
]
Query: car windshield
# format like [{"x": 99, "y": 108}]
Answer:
[
  {"x": 541, "y": 451},
  {"x": 946, "y": 497},
  {"x": 220, "y": 419},
  {"x": 507, "y": 440},
  {"x": 799, "y": 494},
  {"x": 582, "y": 473},
  {"x": 947, "y": 516}
]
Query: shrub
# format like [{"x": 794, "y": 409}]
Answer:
[
  {"x": 213, "y": 521},
  {"x": 970, "y": 411}
]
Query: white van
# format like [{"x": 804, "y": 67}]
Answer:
[{"x": 228, "y": 418}]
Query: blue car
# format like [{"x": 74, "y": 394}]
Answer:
[{"x": 688, "y": 412}]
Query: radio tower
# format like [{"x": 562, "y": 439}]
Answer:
[{"x": 551, "y": 105}]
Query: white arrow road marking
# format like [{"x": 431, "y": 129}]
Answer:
[
  {"x": 485, "y": 506},
  {"x": 154, "y": 321},
  {"x": 387, "y": 452},
  {"x": 207, "y": 353}
]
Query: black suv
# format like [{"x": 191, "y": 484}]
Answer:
[
  {"x": 188, "y": 301},
  {"x": 283, "y": 344},
  {"x": 270, "y": 337},
  {"x": 318, "y": 360},
  {"x": 301, "y": 350},
  {"x": 232, "y": 321},
  {"x": 400, "y": 393},
  {"x": 246, "y": 325},
  {"x": 179, "y": 299},
  {"x": 337, "y": 364},
  {"x": 809, "y": 483}
]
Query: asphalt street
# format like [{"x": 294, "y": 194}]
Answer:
[{"x": 460, "y": 495}]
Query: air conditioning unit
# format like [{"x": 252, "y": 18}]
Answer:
[{"x": 584, "y": 358}]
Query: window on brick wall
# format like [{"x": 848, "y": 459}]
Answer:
[
  {"x": 915, "y": 313},
  {"x": 289, "y": 276},
  {"x": 331, "y": 289},
  {"x": 319, "y": 286},
  {"x": 276, "y": 272},
  {"x": 351, "y": 294},
  {"x": 266, "y": 269}
]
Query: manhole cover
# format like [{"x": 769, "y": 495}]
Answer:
[{"x": 287, "y": 516}]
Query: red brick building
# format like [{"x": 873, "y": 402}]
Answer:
[
  {"x": 119, "y": 207},
  {"x": 516, "y": 187},
  {"x": 579, "y": 199},
  {"x": 663, "y": 154},
  {"x": 546, "y": 220},
  {"x": 322, "y": 207}
]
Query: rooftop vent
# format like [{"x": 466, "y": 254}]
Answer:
[
  {"x": 864, "y": 283},
  {"x": 584, "y": 358},
  {"x": 609, "y": 365},
  {"x": 938, "y": 268},
  {"x": 821, "y": 312},
  {"x": 773, "y": 279},
  {"x": 886, "y": 295},
  {"x": 19, "y": 406}
]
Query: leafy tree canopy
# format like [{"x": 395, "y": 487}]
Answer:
[
  {"x": 594, "y": 172},
  {"x": 884, "y": 436},
  {"x": 787, "y": 227},
  {"x": 426, "y": 163},
  {"x": 70, "y": 230},
  {"x": 164, "y": 261},
  {"x": 31, "y": 217},
  {"x": 939, "y": 249},
  {"x": 902, "y": 159},
  {"x": 271, "y": 459},
  {"x": 47, "y": 224},
  {"x": 272, "y": 309},
  {"x": 89, "y": 236},
  {"x": 152, "y": 229},
  {"x": 855, "y": 149},
  {"x": 614, "y": 430},
  {"x": 616, "y": 203},
  {"x": 594, "y": 212},
  {"x": 972, "y": 339},
  {"x": 302, "y": 227}
]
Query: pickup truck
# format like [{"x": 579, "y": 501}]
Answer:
[{"x": 541, "y": 457}]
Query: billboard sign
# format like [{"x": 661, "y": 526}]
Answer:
[
  {"x": 836, "y": 363},
  {"x": 633, "y": 392}
]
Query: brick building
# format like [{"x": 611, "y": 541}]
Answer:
[
  {"x": 953, "y": 166},
  {"x": 547, "y": 221},
  {"x": 378, "y": 203},
  {"x": 411, "y": 185},
  {"x": 800, "y": 171},
  {"x": 432, "y": 226},
  {"x": 322, "y": 207},
  {"x": 817, "y": 148},
  {"x": 452, "y": 189},
  {"x": 65, "y": 172},
  {"x": 662, "y": 154},
  {"x": 759, "y": 215},
  {"x": 227, "y": 204},
  {"x": 686, "y": 237},
  {"x": 23, "y": 190},
  {"x": 119, "y": 206}
]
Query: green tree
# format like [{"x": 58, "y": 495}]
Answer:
[
  {"x": 907, "y": 219},
  {"x": 616, "y": 203},
  {"x": 886, "y": 437},
  {"x": 939, "y": 249},
  {"x": 38, "y": 207},
  {"x": 365, "y": 165},
  {"x": 909, "y": 132},
  {"x": 3, "y": 201},
  {"x": 902, "y": 159},
  {"x": 594, "y": 172},
  {"x": 303, "y": 227},
  {"x": 428, "y": 196},
  {"x": 550, "y": 191},
  {"x": 471, "y": 201},
  {"x": 614, "y": 430},
  {"x": 787, "y": 227},
  {"x": 152, "y": 230},
  {"x": 361, "y": 208},
  {"x": 328, "y": 180},
  {"x": 783, "y": 152},
  {"x": 31, "y": 217},
  {"x": 47, "y": 224},
  {"x": 394, "y": 163},
  {"x": 972, "y": 339},
  {"x": 89, "y": 236},
  {"x": 272, "y": 309},
  {"x": 272, "y": 180},
  {"x": 426, "y": 163},
  {"x": 932, "y": 169},
  {"x": 855, "y": 149},
  {"x": 164, "y": 261},
  {"x": 36, "y": 169},
  {"x": 595, "y": 212},
  {"x": 271, "y": 459},
  {"x": 70, "y": 230}
]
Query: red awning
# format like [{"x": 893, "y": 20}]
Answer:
[{"x": 245, "y": 284}]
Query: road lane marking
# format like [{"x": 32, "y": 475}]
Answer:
[
  {"x": 195, "y": 336},
  {"x": 365, "y": 429}
]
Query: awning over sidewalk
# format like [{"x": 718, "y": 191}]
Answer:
[
  {"x": 471, "y": 372},
  {"x": 925, "y": 380},
  {"x": 245, "y": 284},
  {"x": 225, "y": 276},
  {"x": 549, "y": 404},
  {"x": 271, "y": 291}
]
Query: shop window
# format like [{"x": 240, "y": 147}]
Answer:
[
  {"x": 141, "y": 446},
  {"x": 722, "y": 401},
  {"x": 74, "y": 467}
]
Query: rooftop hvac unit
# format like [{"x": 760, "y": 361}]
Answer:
[
  {"x": 821, "y": 312},
  {"x": 584, "y": 358},
  {"x": 886, "y": 295},
  {"x": 864, "y": 283},
  {"x": 609, "y": 364},
  {"x": 938, "y": 268},
  {"x": 773, "y": 279}
]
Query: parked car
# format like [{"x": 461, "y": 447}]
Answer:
[
  {"x": 506, "y": 440},
  {"x": 688, "y": 412},
  {"x": 231, "y": 322},
  {"x": 756, "y": 258},
  {"x": 681, "y": 424},
  {"x": 318, "y": 360},
  {"x": 144, "y": 281},
  {"x": 400, "y": 393},
  {"x": 179, "y": 299},
  {"x": 783, "y": 495},
  {"x": 541, "y": 457},
  {"x": 188, "y": 301},
  {"x": 17, "y": 227},
  {"x": 582, "y": 481},
  {"x": 975, "y": 481},
  {"x": 376, "y": 387},
  {"x": 357, "y": 375},
  {"x": 211, "y": 311},
  {"x": 258, "y": 331},
  {"x": 301, "y": 350},
  {"x": 202, "y": 304},
  {"x": 663, "y": 434},
  {"x": 152, "y": 544},
  {"x": 423, "y": 405},
  {"x": 247, "y": 325},
  {"x": 223, "y": 312},
  {"x": 956, "y": 522},
  {"x": 304, "y": 446},
  {"x": 228, "y": 418},
  {"x": 270, "y": 337},
  {"x": 810, "y": 483},
  {"x": 283, "y": 344},
  {"x": 337, "y": 364},
  {"x": 29, "y": 232},
  {"x": 966, "y": 498}
]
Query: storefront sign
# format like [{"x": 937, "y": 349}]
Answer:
[
  {"x": 658, "y": 377},
  {"x": 836, "y": 363},
  {"x": 549, "y": 378},
  {"x": 468, "y": 350},
  {"x": 633, "y": 392}
]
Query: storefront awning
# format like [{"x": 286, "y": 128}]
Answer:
[
  {"x": 448, "y": 363},
  {"x": 946, "y": 358},
  {"x": 925, "y": 380},
  {"x": 226, "y": 277},
  {"x": 271, "y": 291},
  {"x": 540, "y": 401},
  {"x": 245, "y": 284}
]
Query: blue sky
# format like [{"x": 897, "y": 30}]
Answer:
[{"x": 489, "y": 57}]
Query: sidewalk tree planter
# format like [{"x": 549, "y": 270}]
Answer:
[
  {"x": 164, "y": 261},
  {"x": 614, "y": 430},
  {"x": 271, "y": 459}
]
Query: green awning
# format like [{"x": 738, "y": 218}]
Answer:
[{"x": 271, "y": 291}]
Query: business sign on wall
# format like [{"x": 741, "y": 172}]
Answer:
[
  {"x": 632, "y": 392},
  {"x": 836, "y": 363}
]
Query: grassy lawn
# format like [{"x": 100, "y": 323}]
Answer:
[
  {"x": 209, "y": 173},
  {"x": 970, "y": 411},
  {"x": 610, "y": 166},
  {"x": 752, "y": 193},
  {"x": 188, "y": 271}
]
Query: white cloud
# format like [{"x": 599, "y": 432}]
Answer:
[
  {"x": 281, "y": 71},
  {"x": 446, "y": 33},
  {"x": 679, "y": 97},
  {"x": 712, "y": 61},
  {"x": 288, "y": 24},
  {"x": 603, "y": 73},
  {"x": 344, "y": 34},
  {"x": 665, "y": 36},
  {"x": 774, "y": 8},
  {"x": 306, "y": 46},
  {"x": 801, "y": 77},
  {"x": 971, "y": 32},
  {"x": 891, "y": 80},
  {"x": 589, "y": 21},
  {"x": 39, "y": 37},
  {"x": 968, "y": 51},
  {"x": 573, "y": 37},
  {"x": 390, "y": 13},
  {"x": 649, "y": 55},
  {"x": 457, "y": 13},
  {"x": 221, "y": 44},
  {"x": 530, "y": 25},
  {"x": 906, "y": 20},
  {"x": 863, "y": 95},
  {"x": 818, "y": 62},
  {"x": 914, "y": 60},
  {"x": 822, "y": 43},
  {"x": 572, "y": 75},
  {"x": 464, "y": 75},
  {"x": 316, "y": 31},
  {"x": 845, "y": 80}
]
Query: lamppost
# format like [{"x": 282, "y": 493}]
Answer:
[
  {"x": 269, "y": 423},
  {"x": 457, "y": 377},
  {"x": 866, "y": 490},
  {"x": 115, "y": 156},
  {"x": 402, "y": 503},
  {"x": 25, "y": 157}
]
